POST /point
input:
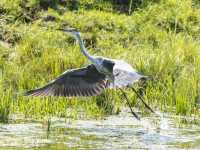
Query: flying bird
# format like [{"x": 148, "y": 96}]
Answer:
[{"x": 103, "y": 73}]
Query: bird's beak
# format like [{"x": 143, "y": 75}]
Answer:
[
  {"x": 71, "y": 31},
  {"x": 65, "y": 30}
]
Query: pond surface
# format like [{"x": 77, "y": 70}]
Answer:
[{"x": 114, "y": 132}]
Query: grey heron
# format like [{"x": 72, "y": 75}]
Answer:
[{"x": 101, "y": 74}]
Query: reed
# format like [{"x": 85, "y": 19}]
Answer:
[{"x": 160, "y": 40}]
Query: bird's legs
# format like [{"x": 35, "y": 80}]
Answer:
[
  {"x": 129, "y": 105},
  {"x": 140, "y": 97}
]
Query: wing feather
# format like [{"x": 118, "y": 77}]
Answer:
[
  {"x": 78, "y": 82},
  {"x": 124, "y": 75}
]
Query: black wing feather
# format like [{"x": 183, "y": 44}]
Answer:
[{"x": 79, "y": 82}]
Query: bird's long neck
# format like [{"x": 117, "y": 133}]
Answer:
[{"x": 83, "y": 49}]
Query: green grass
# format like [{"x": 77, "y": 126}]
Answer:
[{"x": 160, "y": 39}]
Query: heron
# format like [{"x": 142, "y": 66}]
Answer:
[{"x": 102, "y": 73}]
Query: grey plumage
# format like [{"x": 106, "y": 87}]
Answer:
[
  {"x": 108, "y": 64},
  {"x": 78, "y": 82}
]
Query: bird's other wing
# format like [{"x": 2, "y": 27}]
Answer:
[
  {"x": 78, "y": 82},
  {"x": 124, "y": 75}
]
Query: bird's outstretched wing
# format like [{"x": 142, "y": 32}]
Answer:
[
  {"x": 78, "y": 82},
  {"x": 124, "y": 75}
]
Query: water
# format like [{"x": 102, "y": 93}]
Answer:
[{"x": 114, "y": 132}]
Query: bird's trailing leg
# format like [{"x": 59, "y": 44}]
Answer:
[
  {"x": 140, "y": 97},
  {"x": 126, "y": 98}
]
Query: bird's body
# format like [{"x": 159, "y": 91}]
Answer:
[{"x": 91, "y": 80}]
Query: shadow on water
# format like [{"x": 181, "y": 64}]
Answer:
[{"x": 114, "y": 132}]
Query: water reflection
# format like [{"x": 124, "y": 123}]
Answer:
[{"x": 114, "y": 132}]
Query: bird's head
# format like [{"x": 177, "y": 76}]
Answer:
[{"x": 73, "y": 32}]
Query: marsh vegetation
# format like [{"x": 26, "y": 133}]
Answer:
[{"x": 160, "y": 38}]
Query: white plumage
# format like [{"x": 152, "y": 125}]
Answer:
[{"x": 124, "y": 75}]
